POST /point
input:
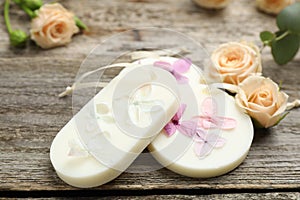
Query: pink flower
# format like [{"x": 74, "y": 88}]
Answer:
[
  {"x": 206, "y": 142},
  {"x": 197, "y": 128},
  {"x": 187, "y": 128},
  {"x": 209, "y": 119},
  {"x": 179, "y": 67}
]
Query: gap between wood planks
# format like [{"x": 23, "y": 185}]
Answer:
[{"x": 110, "y": 193}]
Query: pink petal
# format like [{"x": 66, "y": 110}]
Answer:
[
  {"x": 209, "y": 106},
  {"x": 215, "y": 140},
  {"x": 198, "y": 148},
  {"x": 206, "y": 122},
  {"x": 180, "y": 112},
  {"x": 226, "y": 122},
  {"x": 170, "y": 129},
  {"x": 163, "y": 65},
  {"x": 220, "y": 142},
  {"x": 188, "y": 128},
  {"x": 202, "y": 149},
  {"x": 182, "y": 65},
  {"x": 180, "y": 78},
  {"x": 200, "y": 135}
]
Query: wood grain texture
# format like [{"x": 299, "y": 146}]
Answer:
[
  {"x": 240, "y": 196},
  {"x": 31, "y": 114}
]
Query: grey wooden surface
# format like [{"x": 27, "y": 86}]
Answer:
[{"x": 31, "y": 114}]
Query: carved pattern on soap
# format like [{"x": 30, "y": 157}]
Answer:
[
  {"x": 103, "y": 112},
  {"x": 141, "y": 105},
  {"x": 76, "y": 149},
  {"x": 198, "y": 127}
]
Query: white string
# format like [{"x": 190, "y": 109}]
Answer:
[
  {"x": 294, "y": 104},
  {"x": 136, "y": 55},
  {"x": 77, "y": 85}
]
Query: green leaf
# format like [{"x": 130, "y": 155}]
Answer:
[
  {"x": 267, "y": 37},
  {"x": 285, "y": 49},
  {"x": 289, "y": 18}
]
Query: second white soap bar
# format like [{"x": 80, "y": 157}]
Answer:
[{"x": 223, "y": 137}]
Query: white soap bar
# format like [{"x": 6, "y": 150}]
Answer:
[
  {"x": 105, "y": 137},
  {"x": 180, "y": 153}
]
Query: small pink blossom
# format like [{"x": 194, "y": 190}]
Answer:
[
  {"x": 209, "y": 119},
  {"x": 197, "y": 127},
  {"x": 206, "y": 142},
  {"x": 178, "y": 68}
]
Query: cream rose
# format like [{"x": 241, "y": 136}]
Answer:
[
  {"x": 54, "y": 26},
  {"x": 273, "y": 6},
  {"x": 233, "y": 62},
  {"x": 262, "y": 100},
  {"x": 212, "y": 4}
]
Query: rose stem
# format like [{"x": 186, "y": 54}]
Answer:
[
  {"x": 80, "y": 24},
  {"x": 6, "y": 16},
  {"x": 28, "y": 11},
  {"x": 286, "y": 33}
]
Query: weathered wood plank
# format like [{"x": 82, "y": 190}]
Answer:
[
  {"x": 240, "y": 196},
  {"x": 248, "y": 196},
  {"x": 31, "y": 114}
]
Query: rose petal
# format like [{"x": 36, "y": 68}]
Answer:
[
  {"x": 273, "y": 7},
  {"x": 273, "y": 121},
  {"x": 261, "y": 117},
  {"x": 234, "y": 61},
  {"x": 53, "y": 26},
  {"x": 281, "y": 103},
  {"x": 270, "y": 109},
  {"x": 251, "y": 84}
]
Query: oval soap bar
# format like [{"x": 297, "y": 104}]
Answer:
[
  {"x": 104, "y": 137},
  {"x": 204, "y": 139}
]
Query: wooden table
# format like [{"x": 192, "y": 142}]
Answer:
[{"x": 31, "y": 114}]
